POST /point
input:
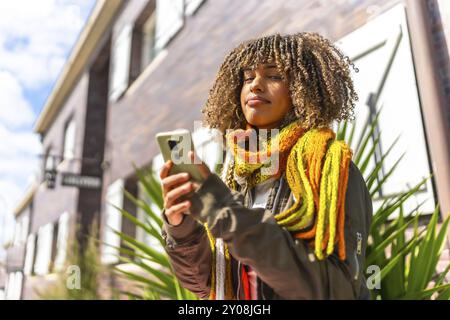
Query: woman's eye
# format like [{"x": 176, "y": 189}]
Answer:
[{"x": 271, "y": 77}]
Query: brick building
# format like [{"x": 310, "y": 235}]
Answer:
[{"x": 144, "y": 66}]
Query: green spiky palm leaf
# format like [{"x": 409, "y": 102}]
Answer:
[{"x": 407, "y": 265}]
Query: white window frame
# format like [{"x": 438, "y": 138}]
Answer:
[
  {"x": 29, "y": 254},
  {"x": 14, "y": 285},
  {"x": 169, "y": 20},
  {"x": 112, "y": 221},
  {"x": 62, "y": 241},
  {"x": 149, "y": 50},
  {"x": 44, "y": 249},
  {"x": 69, "y": 140},
  {"x": 120, "y": 63}
]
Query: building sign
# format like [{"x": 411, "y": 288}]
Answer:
[{"x": 75, "y": 180}]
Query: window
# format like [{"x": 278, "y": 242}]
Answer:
[
  {"x": 169, "y": 20},
  {"x": 21, "y": 228},
  {"x": 14, "y": 286},
  {"x": 149, "y": 50},
  {"x": 25, "y": 221},
  {"x": 44, "y": 249},
  {"x": 18, "y": 285},
  {"x": 69, "y": 140},
  {"x": 121, "y": 56},
  {"x": 8, "y": 285},
  {"x": 29, "y": 255},
  {"x": 136, "y": 46},
  {"x": 62, "y": 241},
  {"x": 112, "y": 221}
]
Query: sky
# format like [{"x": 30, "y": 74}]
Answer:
[{"x": 36, "y": 38}]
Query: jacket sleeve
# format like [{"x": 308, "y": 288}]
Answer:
[
  {"x": 286, "y": 264},
  {"x": 188, "y": 247}
]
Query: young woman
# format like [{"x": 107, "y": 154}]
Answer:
[{"x": 299, "y": 231}]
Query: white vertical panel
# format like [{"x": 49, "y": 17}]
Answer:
[
  {"x": 120, "y": 63},
  {"x": 69, "y": 140},
  {"x": 44, "y": 249},
  {"x": 25, "y": 227},
  {"x": 148, "y": 42},
  {"x": 169, "y": 19},
  {"x": 112, "y": 221},
  {"x": 62, "y": 241},
  {"x": 29, "y": 255},
  {"x": 8, "y": 285},
  {"x": 401, "y": 114},
  {"x": 17, "y": 293}
]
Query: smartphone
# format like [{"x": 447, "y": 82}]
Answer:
[{"x": 175, "y": 145}]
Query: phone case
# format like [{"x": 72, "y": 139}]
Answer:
[{"x": 175, "y": 145}]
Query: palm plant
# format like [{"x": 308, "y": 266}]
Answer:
[
  {"x": 156, "y": 278},
  {"x": 407, "y": 266}
]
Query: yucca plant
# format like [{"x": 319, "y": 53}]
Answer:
[
  {"x": 156, "y": 279},
  {"x": 407, "y": 265}
]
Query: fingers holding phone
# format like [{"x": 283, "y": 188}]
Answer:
[
  {"x": 174, "y": 187},
  {"x": 182, "y": 173}
]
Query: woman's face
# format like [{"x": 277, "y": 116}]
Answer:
[{"x": 265, "y": 97}]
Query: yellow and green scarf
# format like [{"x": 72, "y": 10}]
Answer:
[{"x": 316, "y": 167}]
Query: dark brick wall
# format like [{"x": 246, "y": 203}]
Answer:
[
  {"x": 173, "y": 94},
  {"x": 89, "y": 201}
]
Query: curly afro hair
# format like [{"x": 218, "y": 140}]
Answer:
[{"x": 317, "y": 72}]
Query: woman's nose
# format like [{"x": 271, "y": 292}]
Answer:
[{"x": 256, "y": 84}]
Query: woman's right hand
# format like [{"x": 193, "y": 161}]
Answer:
[{"x": 173, "y": 187}]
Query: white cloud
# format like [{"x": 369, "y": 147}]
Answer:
[
  {"x": 15, "y": 110},
  {"x": 35, "y": 40},
  {"x": 36, "y": 36},
  {"x": 10, "y": 189},
  {"x": 19, "y": 147},
  {"x": 16, "y": 143}
]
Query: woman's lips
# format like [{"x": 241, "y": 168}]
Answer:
[{"x": 256, "y": 102}]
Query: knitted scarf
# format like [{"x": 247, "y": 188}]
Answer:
[{"x": 316, "y": 169}]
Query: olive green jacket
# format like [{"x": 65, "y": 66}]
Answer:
[{"x": 286, "y": 267}]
